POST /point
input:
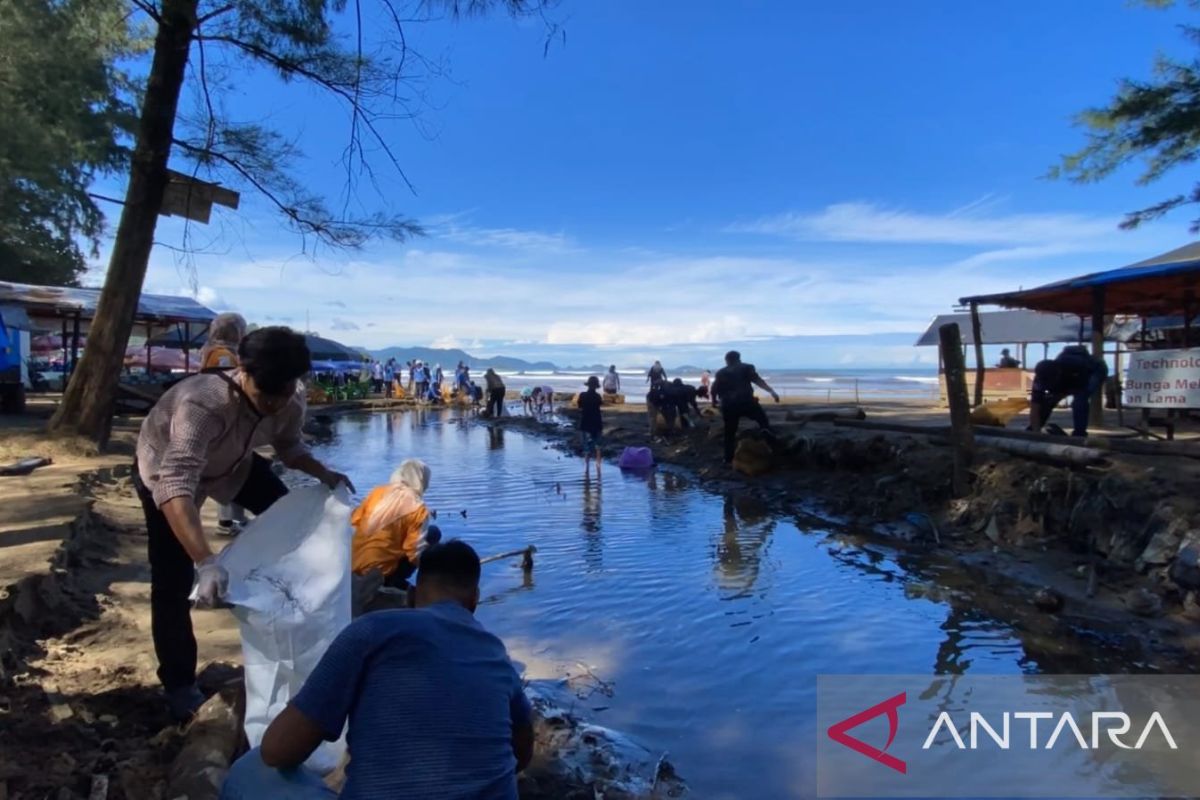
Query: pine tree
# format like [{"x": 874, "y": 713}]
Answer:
[{"x": 295, "y": 39}]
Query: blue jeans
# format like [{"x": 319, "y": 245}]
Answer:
[{"x": 250, "y": 779}]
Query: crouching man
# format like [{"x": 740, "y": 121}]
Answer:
[{"x": 435, "y": 707}]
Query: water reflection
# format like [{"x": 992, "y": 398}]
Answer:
[
  {"x": 747, "y": 529},
  {"x": 495, "y": 437},
  {"x": 593, "y": 544}
]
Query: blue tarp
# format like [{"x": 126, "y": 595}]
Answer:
[
  {"x": 1161, "y": 286},
  {"x": 68, "y": 300}
]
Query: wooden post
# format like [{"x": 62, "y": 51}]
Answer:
[
  {"x": 65, "y": 351},
  {"x": 1120, "y": 388},
  {"x": 977, "y": 334},
  {"x": 960, "y": 408},
  {"x": 1145, "y": 411},
  {"x": 149, "y": 336},
  {"x": 1096, "y": 411},
  {"x": 75, "y": 343},
  {"x": 187, "y": 343}
]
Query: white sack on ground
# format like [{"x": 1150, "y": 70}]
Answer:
[{"x": 289, "y": 583}]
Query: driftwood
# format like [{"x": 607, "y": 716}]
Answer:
[
  {"x": 211, "y": 739},
  {"x": 1072, "y": 454},
  {"x": 824, "y": 414},
  {"x": 24, "y": 467},
  {"x": 1181, "y": 449},
  {"x": 526, "y": 554},
  {"x": 894, "y": 427}
]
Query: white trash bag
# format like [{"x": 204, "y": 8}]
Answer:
[{"x": 289, "y": 584}]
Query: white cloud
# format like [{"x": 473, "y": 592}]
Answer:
[
  {"x": 518, "y": 295},
  {"x": 451, "y": 229},
  {"x": 975, "y": 224}
]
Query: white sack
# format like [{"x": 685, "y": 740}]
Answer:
[{"x": 289, "y": 583}]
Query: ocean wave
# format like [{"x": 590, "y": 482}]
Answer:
[
  {"x": 918, "y": 379},
  {"x": 820, "y": 380}
]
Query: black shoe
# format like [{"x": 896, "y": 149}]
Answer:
[{"x": 184, "y": 702}]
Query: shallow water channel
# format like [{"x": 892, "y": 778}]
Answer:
[{"x": 702, "y": 620}]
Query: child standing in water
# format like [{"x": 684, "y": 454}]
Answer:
[{"x": 591, "y": 424}]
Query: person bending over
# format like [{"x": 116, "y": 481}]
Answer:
[
  {"x": 684, "y": 396},
  {"x": 435, "y": 709},
  {"x": 733, "y": 393},
  {"x": 495, "y": 392},
  {"x": 199, "y": 441},
  {"x": 391, "y": 527},
  {"x": 1073, "y": 372}
]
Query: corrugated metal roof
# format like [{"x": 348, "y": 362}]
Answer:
[
  {"x": 1009, "y": 327},
  {"x": 1160, "y": 286},
  {"x": 15, "y": 317},
  {"x": 69, "y": 300}
]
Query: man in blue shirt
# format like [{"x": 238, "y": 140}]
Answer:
[{"x": 436, "y": 710}]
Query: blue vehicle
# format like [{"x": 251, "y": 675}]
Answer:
[{"x": 12, "y": 390}]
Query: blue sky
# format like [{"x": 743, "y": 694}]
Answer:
[{"x": 679, "y": 175}]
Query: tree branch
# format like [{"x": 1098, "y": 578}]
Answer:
[
  {"x": 149, "y": 10},
  {"x": 293, "y": 67}
]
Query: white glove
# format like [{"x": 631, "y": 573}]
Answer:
[{"x": 212, "y": 582}]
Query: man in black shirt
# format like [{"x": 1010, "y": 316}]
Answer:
[
  {"x": 1074, "y": 372},
  {"x": 685, "y": 399},
  {"x": 660, "y": 400},
  {"x": 733, "y": 392},
  {"x": 591, "y": 425}
]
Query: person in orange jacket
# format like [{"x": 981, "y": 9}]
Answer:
[{"x": 391, "y": 527}]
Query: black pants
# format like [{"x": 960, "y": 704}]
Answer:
[
  {"x": 495, "y": 405},
  {"x": 172, "y": 574},
  {"x": 732, "y": 414}
]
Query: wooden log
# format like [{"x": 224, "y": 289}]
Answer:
[
  {"x": 893, "y": 427},
  {"x": 980, "y": 368},
  {"x": 1071, "y": 454},
  {"x": 210, "y": 741},
  {"x": 950, "y": 342},
  {"x": 824, "y": 414},
  {"x": 1126, "y": 446}
]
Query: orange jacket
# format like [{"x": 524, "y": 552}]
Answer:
[
  {"x": 383, "y": 549},
  {"x": 219, "y": 357}
]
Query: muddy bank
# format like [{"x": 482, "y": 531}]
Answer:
[{"x": 1109, "y": 551}]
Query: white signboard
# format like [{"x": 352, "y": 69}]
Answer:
[{"x": 1163, "y": 379}]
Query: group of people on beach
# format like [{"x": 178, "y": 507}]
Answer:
[
  {"x": 425, "y": 382},
  {"x": 731, "y": 392},
  {"x": 412, "y": 689}
]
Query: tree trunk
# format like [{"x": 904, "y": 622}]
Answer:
[
  {"x": 960, "y": 405},
  {"x": 86, "y": 407}
]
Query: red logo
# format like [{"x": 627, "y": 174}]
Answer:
[{"x": 838, "y": 732}]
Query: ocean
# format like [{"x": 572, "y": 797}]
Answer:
[{"x": 834, "y": 385}]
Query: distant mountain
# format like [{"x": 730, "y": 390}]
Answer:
[{"x": 449, "y": 358}]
